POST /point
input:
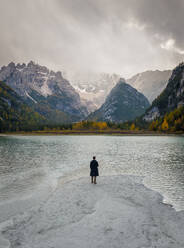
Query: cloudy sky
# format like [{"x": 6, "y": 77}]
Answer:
[{"x": 114, "y": 36}]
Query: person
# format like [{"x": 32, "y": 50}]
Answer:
[{"x": 94, "y": 170}]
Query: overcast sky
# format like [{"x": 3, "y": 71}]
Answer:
[{"x": 114, "y": 36}]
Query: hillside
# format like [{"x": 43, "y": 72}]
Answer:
[
  {"x": 172, "y": 97},
  {"x": 15, "y": 115},
  {"x": 172, "y": 121}
]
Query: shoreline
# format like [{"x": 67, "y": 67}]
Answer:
[
  {"x": 113, "y": 133},
  {"x": 119, "y": 209}
]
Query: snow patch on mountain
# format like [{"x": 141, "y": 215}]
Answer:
[
  {"x": 34, "y": 81},
  {"x": 45, "y": 90},
  {"x": 93, "y": 88}
]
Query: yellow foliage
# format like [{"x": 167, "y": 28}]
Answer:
[
  {"x": 77, "y": 125},
  {"x": 132, "y": 127},
  {"x": 154, "y": 125},
  {"x": 165, "y": 125},
  {"x": 90, "y": 125},
  {"x": 102, "y": 125},
  {"x": 99, "y": 125}
]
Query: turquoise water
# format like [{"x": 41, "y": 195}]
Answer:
[{"x": 30, "y": 163}]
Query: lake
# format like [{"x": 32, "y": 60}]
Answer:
[{"x": 30, "y": 166}]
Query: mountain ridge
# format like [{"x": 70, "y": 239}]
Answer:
[
  {"x": 50, "y": 88},
  {"x": 122, "y": 104}
]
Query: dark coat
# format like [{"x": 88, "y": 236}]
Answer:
[{"x": 94, "y": 168}]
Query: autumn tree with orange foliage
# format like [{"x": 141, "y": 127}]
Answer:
[{"x": 165, "y": 125}]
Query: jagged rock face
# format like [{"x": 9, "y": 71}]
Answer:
[
  {"x": 171, "y": 98},
  {"x": 35, "y": 83},
  {"x": 93, "y": 88},
  {"x": 152, "y": 114},
  {"x": 150, "y": 83},
  {"x": 122, "y": 104}
]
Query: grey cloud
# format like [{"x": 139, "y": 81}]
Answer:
[
  {"x": 121, "y": 36},
  {"x": 163, "y": 17}
]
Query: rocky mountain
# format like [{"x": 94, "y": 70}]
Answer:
[
  {"x": 150, "y": 83},
  {"x": 93, "y": 88},
  {"x": 43, "y": 89},
  {"x": 14, "y": 113},
  {"x": 122, "y": 104},
  {"x": 172, "y": 97}
]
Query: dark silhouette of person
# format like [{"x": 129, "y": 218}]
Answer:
[{"x": 94, "y": 170}]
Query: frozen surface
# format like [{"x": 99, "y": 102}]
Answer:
[{"x": 117, "y": 212}]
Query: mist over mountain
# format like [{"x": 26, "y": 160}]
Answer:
[
  {"x": 150, "y": 83},
  {"x": 44, "y": 89},
  {"x": 122, "y": 104},
  {"x": 93, "y": 88}
]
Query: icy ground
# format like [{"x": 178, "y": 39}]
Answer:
[{"x": 117, "y": 212}]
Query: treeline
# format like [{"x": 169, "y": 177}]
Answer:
[
  {"x": 173, "y": 121},
  {"x": 170, "y": 122},
  {"x": 90, "y": 125}
]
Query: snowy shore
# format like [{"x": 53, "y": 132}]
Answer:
[{"x": 117, "y": 212}]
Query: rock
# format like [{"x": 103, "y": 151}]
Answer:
[{"x": 38, "y": 83}]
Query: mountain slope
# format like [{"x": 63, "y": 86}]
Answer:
[
  {"x": 38, "y": 85},
  {"x": 150, "y": 83},
  {"x": 172, "y": 97},
  {"x": 14, "y": 113},
  {"x": 122, "y": 104}
]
